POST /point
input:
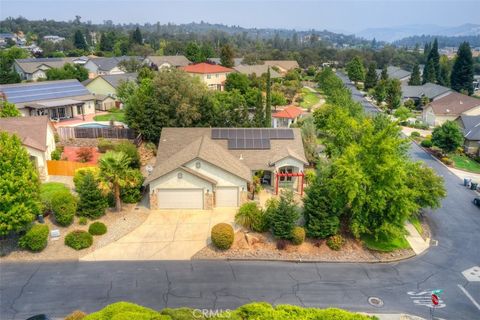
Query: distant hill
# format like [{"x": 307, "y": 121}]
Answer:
[{"x": 396, "y": 33}]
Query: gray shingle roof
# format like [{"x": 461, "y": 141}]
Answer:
[
  {"x": 32, "y": 65},
  {"x": 471, "y": 126},
  {"x": 258, "y": 69},
  {"x": 115, "y": 79},
  {"x": 108, "y": 63},
  {"x": 429, "y": 90},
  {"x": 236, "y": 61},
  {"x": 179, "y": 146},
  {"x": 395, "y": 73}
]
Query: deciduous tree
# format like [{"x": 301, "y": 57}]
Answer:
[
  {"x": 226, "y": 56},
  {"x": 448, "y": 136},
  {"x": 355, "y": 70},
  {"x": 8, "y": 109}
]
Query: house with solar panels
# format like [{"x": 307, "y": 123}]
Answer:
[
  {"x": 204, "y": 168},
  {"x": 59, "y": 100}
]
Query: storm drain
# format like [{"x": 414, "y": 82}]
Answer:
[{"x": 376, "y": 302}]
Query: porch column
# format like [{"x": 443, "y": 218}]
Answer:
[
  {"x": 71, "y": 111},
  {"x": 276, "y": 183}
]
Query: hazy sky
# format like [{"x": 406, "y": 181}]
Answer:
[{"x": 341, "y": 15}]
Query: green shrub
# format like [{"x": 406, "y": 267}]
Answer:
[
  {"x": 79, "y": 239},
  {"x": 126, "y": 311},
  {"x": 285, "y": 217},
  {"x": 56, "y": 154},
  {"x": 104, "y": 145},
  {"x": 222, "y": 236},
  {"x": 97, "y": 229},
  {"x": 92, "y": 202},
  {"x": 47, "y": 190},
  {"x": 36, "y": 238},
  {"x": 447, "y": 161},
  {"x": 131, "y": 151},
  {"x": 415, "y": 134},
  {"x": 250, "y": 216},
  {"x": 82, "y": 172},
  {"x": 335, "y": 242},
  {"x": 183, "y": 314},
  {"x": 64, "y": 206},
  {"x": 298, "y": 236},
  {"x": 82, "y": 221},
  {"x": 133, "y": 193},
  {"x": 426, "y": 143}
]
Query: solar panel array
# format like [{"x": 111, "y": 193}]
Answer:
[
  {"x": 251, "y": 138},
  {"x": 30, "y": 92}
]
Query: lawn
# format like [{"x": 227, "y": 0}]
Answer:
[
  {"x": 385, "y": 245},
  {"x": 48, "y": 189},
  {"x": 417, "y": 224},
  {"x": 465, "y": 163},
  {"x": 309, "y": 98},
  {"x": 115, "y": 115}
]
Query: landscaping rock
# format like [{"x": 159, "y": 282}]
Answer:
[{"x": 251, "y": 239}]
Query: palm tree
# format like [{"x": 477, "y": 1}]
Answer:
[{"x": 115, "y": 173}]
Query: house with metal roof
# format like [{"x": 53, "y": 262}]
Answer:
[
  {"x": 396, "y": 73},
  {"x": 37, "y": 136},
  {"x": 59, "y": 100},
  {"x": 471, "y": 132},
  {"x": 450, "y": 107},
  {"x": 202, "y": 168},
  {"x": 214, "y": 76},
  {"x": 36, "y": 68},
  {"x": 162, "y": 62}
]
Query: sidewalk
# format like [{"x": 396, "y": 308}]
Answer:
[
  {"x": 408, "y": 131},
  {"x": 415, "y": 239}
]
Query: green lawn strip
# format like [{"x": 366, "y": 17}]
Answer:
[
  {"x": 385, "y": 245},
  {"x": 417, "y": 224},
  {"x": 49, "y": 188},
  {"x": 309, "y": 98},
  {"x": 116, "y": 116},
  {"x": 465, "y": 163}
]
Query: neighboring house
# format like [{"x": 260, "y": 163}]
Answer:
[
  {"x": 202, "y": 168},
  {"x": 430, "y": 90},
  {"x": 283, "y": 65},
  {"x": 62, "y": 99},
  {"x": 161, "y": 62},
  {"x": 37, "y": 135},
  {"x": 212, "y": 75},
  {"x": 54, "y": 39},
  {"x": 106, "y": 65},
  {"x": 284, "y": 118},
  {"x": 4, "y": 37},
  {"x": 236, "y": 61},
  {"x": 450, "y": 107},
  {"x": 476, "y": 83},
  {"x": 471, "y": 132},
  {"x": 257, "y": 69},
  {"x": 396, "y": 73},
  {"x": 36, "y": 68},
  {"x": 105, "y": 103},
  {"x": 107, "y": 84}
]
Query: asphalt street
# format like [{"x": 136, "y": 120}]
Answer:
[{"x": 58, "y": 288}]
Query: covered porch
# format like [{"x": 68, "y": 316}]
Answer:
[{"x": 57, "y": 110}]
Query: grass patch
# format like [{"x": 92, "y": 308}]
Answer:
[
  {"x": 115, "y": 115},
  {"x": 416, "y": 223},
  {"x": 384, "y": 244},
  {"x": 465, "y": 163},
  {"x": 309, "y": 98},
  {"x": 49, "y": 188}
]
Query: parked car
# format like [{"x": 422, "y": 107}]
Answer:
[{"x": 476, "y": 202}]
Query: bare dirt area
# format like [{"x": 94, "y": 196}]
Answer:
[
  {"x": 118, "y": 224},
  {"x": 262, "y": 246}
]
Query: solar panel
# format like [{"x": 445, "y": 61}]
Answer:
[
  {"x": 215, "y": 133},
  {"x": 248, "y": 144}
]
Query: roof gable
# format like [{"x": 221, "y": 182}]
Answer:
[
  {"x": 453, "y": 104},
  {"x": 32, "y": 131},
  {"x": 205, "y": 68}
]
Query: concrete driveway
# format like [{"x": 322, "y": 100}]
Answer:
[{"x": 165, "y": 235}]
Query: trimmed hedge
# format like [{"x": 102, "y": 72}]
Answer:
[
  {"x": 36, "y": 238},
  {"x": 335, "y": 242},
  {"x": 426, "y": 143},
  {"x": 222, "y": 236},
  {"x": 298, "y": 236},
  {"x": 251, "y": 311},
  {"x": 79, "y": 239},
  {"x": 64, "y": 206},
  {"x": 97, "y": 229}
]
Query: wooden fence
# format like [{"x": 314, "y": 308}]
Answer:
[
  {"x": 66, "y": 133},
  {"x": 65, "y": 168}
]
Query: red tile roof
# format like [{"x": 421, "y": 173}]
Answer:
[
  {"x": 205, "y": 68},
  {"x": 290, "y": 112}
]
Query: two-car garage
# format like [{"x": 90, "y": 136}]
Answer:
[
  {"x": 226, "y": 197},
  {"x": 194, "y": 198}
]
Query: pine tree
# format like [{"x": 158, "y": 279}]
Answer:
[
  {"x": 384, "y": 75},
  {"x": 79, "y": 41},
  {"x": 426, "y": 50},
  {"x": 415, "y": 79},
  {"x": 429, "y": 74},
  {"x": 285, "y": 216},
  {"x": 258, "y": 117},
  {"x": 226, "y": 56},
  {"x": 435, "y": 57},
  {"x": 321, "y": 220},
  {"x": 371, "y": 78},
  {"x": 394, "y": 94},
  {"x": 137, "y": 36},
  {"x": 92, "y": 202},
  {"x": 462, "y": 71},
  {"x": 268, "y": 101}
]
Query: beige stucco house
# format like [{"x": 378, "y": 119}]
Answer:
[
  {"x": 59, "y": 100},
  {"x": 37, "y": 135},
  {"x": 202, "y": 168},
  {"x": 214, "y": 76},
  {"x": 450, "y": 107},
  {"x": 163, "y": 62}
]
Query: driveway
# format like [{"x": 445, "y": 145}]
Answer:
[{"x": 166, "y": 235}]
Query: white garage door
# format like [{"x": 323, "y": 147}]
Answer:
[
  {"x": 180, "y": 198},
  {"x": 227, "y": 197}
]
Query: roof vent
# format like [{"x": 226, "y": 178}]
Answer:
[
  {"x": 448, "y": 110},
  {"x": 241, "y": 157},
  {"x": 461, "y": 102}
]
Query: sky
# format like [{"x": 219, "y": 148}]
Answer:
[{"x": 349, "y": 16}]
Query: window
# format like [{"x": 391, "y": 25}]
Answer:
[
  {"x": 209, "y": 76},
  {"x": 217, "y": 75},
  {"x": 286, "y": 170},
  {"x": 79, "y": 110}
]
